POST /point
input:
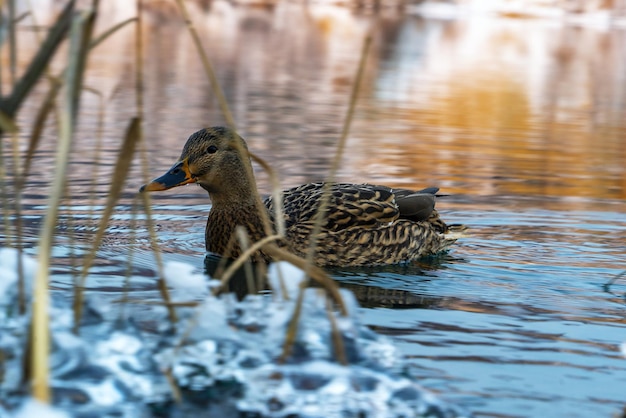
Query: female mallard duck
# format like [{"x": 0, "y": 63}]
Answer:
[{"x": 364, "y": 225}]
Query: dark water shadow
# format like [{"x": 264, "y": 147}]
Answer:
[
  {"x": 242, "y": 282},
  {"x": 608, "y": 285},
  {"x": 372, "y": 286}
]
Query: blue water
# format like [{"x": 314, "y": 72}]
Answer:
[
  {"x": 520, "y": 121},
  {"x": 515, "y": 320}
]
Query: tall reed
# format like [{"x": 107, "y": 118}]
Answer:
[
  {"x": 70, "y": 85},
  {"x": 268, "y": 244},
  {"x": 81, "y": 29}
]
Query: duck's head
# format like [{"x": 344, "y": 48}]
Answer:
[{"x": 216, "y": 158}]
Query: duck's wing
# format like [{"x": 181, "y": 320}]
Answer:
[
  {"x": 416, "y": 206},
  {"x": 353, "y": 205}
]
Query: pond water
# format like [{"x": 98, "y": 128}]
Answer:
[{"x": 520, "y": 121}]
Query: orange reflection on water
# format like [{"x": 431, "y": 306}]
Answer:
[
  {"x": 481, "y": 106},
  {"x": 494, "y": 110}
]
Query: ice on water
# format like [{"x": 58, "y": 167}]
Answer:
[
  {"x": 225, "y": 356},
  {"x": 34, "y": 409},
  {"x": 9, "y": 274},
  {"x": 186, "y": 283}
]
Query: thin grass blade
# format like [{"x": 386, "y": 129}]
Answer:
[
  {"x": 319, "y": 217},
  {"x": 40, "y": 120},
  {"x": 120, "y": 173},
  {"x": 103, "y": 36},
  {"x": 206, "y": 63},
  {"x": 39, "y": 63},
  {"x": 7, "y": 124},
  {"x": 40, "y": 348}
]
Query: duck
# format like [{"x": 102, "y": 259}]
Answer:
[{"x": 363, "y": 224}]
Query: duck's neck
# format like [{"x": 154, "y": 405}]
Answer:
[{"x": 226, "y": 215}]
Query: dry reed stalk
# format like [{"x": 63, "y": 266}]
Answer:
[
  {"x": 325, "y": 199},
  {"x": 42, "y": 115},
  {"x": 6, "y": 121},
  {"x": 245, "y": 255},
  {"x": 81, "y": 27},
  {"x": 92, "y": 188},
  {"x": 17, "y": 207},
  {"x": 1, "y": 42},
  {"x": 96, "y": 156},
  {"x": 206, "y": 63},
  {"x": 269, "y": 247},
  {"x": 43, "y": 112},
  {"x": 139, "y": 90},
  {"x": 319, "y": 217},
  {"x": 120, "y": 173},
  {"x": 316, "y": 273},
  {"x": 221, "y": 99},
  {"x": 7, "y": 125},
  {"x": 267, "y": 244},
  {"x": 615, "y": 278},
  {"x": 129, "y": 259},
  {"x": 261, "y": 275},
  {"x": 171, "y": 380},
  {"x": 277, "y": 195},
  {"x": 154, "y": 243},
  {"x": 46, "y": 107},
  {"x": 282, "y": 284},
  {"x": 139, "y": 86},
  {"x": 221, "y": 265},
  {"x": 292, "y": 328},
  {"x": 103, "y": 36},
  {"x": 37, "y": 66},
  {"x": 12, "y": 43},
  {"x": 337, "y": 338},
  {"x": 71, "y": 219},
  {"x": 244, "y": 244},
  {"x": 48, "y": 103}
]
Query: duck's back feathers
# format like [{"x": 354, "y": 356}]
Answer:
[
  {"x": 364, "y": 224},
  {"x": 349, "y": 205}
]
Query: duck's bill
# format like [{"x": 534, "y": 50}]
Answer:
[{"x": 178, "y": 175}]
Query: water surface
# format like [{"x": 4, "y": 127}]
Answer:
[{"x": 520, "y": 121}]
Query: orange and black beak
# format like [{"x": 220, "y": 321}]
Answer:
[{"x": 178, "y": 175}]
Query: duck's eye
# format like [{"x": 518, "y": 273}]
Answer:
[{"x": 211, "y": 150}]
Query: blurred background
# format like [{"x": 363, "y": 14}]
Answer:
[
  {"x": 515, "y": 109},
  {"x": 481, "y": 97}
]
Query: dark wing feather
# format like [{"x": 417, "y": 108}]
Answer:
[{"x": 416, "y": 206}]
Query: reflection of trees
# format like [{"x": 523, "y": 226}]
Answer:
[
  {"x": 486, "y": 105},
  {"x": 501, "y": 106}
]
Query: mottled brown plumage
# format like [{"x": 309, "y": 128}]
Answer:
[{"x": 363, "y": 224}]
